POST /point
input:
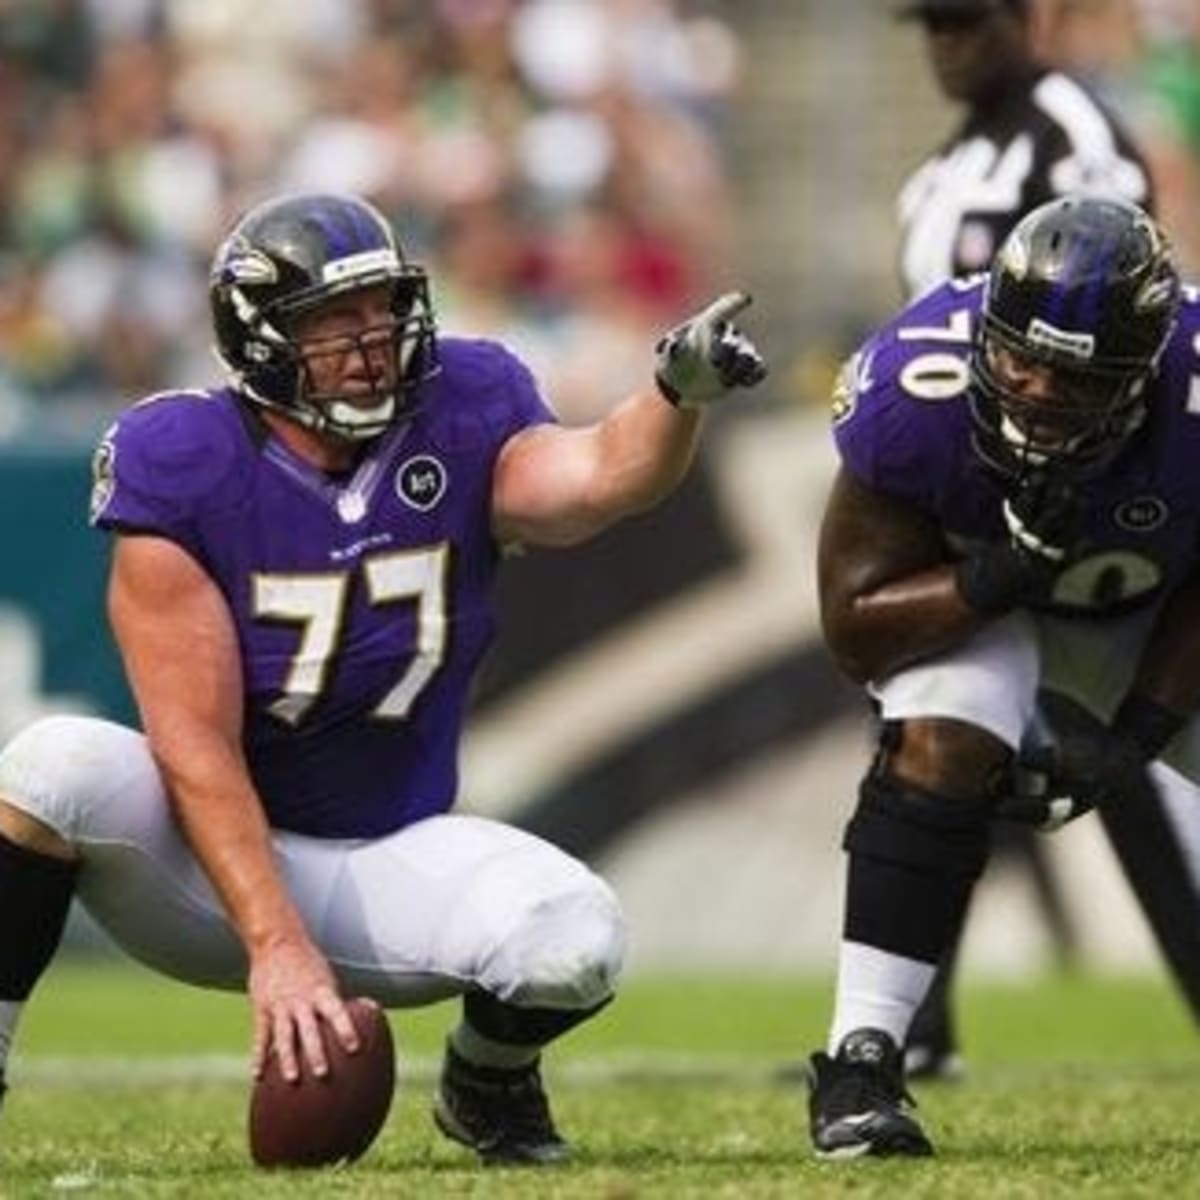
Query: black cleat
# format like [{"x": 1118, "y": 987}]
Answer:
[
  {"x": 3, "y": 1089},
  {"x": 858, "y": 1105},
  {"x": 502, "y": 1115}
]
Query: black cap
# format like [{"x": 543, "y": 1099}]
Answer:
[{"x": 910, "y": 9}]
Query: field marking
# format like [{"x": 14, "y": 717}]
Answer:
[{"x": 630, "y": 1067}]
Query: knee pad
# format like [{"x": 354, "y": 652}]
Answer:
[
  {"x": 914, "y": 858},
  {"x": 907, "y": 826},
  {"x": 77, "y": 775},
  {"x": 567, "y": 954}
]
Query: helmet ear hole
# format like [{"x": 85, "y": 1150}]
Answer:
[
  {"x": 1085, "y": 288},
  {"x": 289, "y": 256}
]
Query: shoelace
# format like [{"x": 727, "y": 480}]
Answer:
[
  {"x": 859, "y": 1086},
  {"x": 515, "y": 1109},
  {"x": 525, "y": 1111}
]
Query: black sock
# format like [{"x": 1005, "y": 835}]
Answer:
[
  {"x": 510, "y": 1023},
  {"x": 35, "y": 895}
]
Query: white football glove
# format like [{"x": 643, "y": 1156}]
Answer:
[{"x": 699, "y": 361}]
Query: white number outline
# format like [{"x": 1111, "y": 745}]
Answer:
[
  {"x": 1106, "y": 579},
  {"x": 317, "y": 603},
  {"x": 937, "y": 376}
]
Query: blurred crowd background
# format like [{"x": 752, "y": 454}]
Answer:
[
  {"x": 575, "y": 172},
  {"x": 558, "y": 164}
]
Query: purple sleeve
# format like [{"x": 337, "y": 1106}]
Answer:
[
  {"x": 158, "y": 467},
  {"x": 484, "y": 395},
  {"x": 901, "y": 412},
  {"x": 519, "y": 403},
  {"x": 878, "y": 436}
]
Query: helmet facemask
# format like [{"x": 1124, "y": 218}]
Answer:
[
  {"x": 292, "y": 257},
  {"x": 1077, "y": 424},
  {"x": 1081, "y": 300},
  {"x": 393, "y": 355}
]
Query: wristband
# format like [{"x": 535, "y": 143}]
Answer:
[
  {"x": 989, "y": 582},
  {"x": 667, "y": 392},
  {"x": 1146, "y": 723}
]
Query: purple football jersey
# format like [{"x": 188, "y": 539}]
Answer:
[
  {"x": 363, "y": 604},
  {"x": 902, "y": 425}
]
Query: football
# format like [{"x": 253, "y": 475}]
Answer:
[{"x": 315, "y": 1122}]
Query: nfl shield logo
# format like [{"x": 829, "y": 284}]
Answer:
[{"x": 1141, "y": 514}]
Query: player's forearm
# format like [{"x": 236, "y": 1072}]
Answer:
[
  {"x": 559, "y": 487},
  {"x": 876, "y": 632},
  {"x": 223, "y": 820},
  {"x": 645, "y": 448}
]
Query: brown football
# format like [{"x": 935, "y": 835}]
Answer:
[{"x": 314, "y": 1122}]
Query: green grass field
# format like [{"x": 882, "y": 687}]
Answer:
[{"x": 127, "y": 1085}]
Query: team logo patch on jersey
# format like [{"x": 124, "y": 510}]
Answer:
[
  {"x": 104, "y": 479},
  {"x": 421, "y": 482},
  {"x": 1141, "y": 514},
  {"x": 854, "y": 377}
]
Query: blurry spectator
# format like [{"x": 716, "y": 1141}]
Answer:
[
  {"x": 1027, "y": 132},
  {"x": 52, "y": 39},
  {"x": 1144, "y": 57},
  {"x": 130, "y": 130},
  {"x": 1171, "y": 76}
]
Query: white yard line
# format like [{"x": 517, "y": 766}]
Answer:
[{"x": 89, "y": 1070}]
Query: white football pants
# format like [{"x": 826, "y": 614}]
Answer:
[
  {"x": 992, "y": 681},
  {"x": 447, "y": 904}
]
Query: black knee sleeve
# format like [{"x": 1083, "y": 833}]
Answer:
[
  {"x": 914, "y": 858},
  {"x": 502, "y": 1022},
  {"x": 35, "y": 894}
]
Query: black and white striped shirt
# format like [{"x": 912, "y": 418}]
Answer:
[{"x": 1046, "y": 137}]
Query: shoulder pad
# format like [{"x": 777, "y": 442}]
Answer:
[
  {"x": 179, "y": 449},
  {"x": 484, "y": 391}
]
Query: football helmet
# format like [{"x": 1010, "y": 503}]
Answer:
[
  {"x": 1087, "y": 288},
  {"x": 289, "y": 256}
]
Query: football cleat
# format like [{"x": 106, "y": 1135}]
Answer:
[
  {"x": 3, "y": 1089},
  {"x": 502, "y": 1115},
  {"x": 857, "y": 1103}
]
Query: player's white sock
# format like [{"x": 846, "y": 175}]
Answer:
[
  {"x": 877, "y": 990},
  {"x": 470, "y": 1044}
]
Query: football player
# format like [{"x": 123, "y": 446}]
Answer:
[
  {"x": 1008, "y": 563},
  {"x": 301, "y": 589},
  {"x": 1028, "y": 132}
]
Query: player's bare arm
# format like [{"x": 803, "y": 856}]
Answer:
[
  {"x": 179, "y": 648},
  {"x": 556, "y": 486},
  {"x": 887, "y": 584}
]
